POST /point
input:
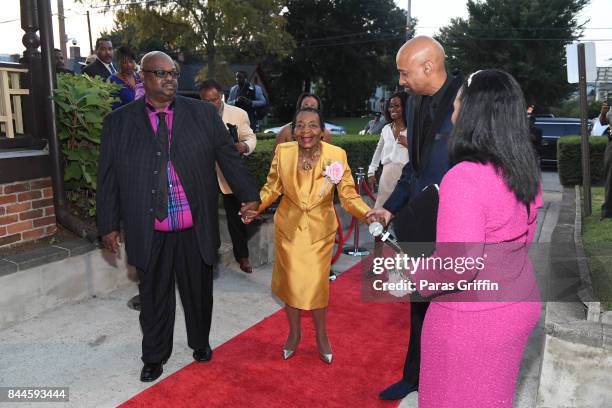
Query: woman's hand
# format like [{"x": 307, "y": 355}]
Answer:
[
  {"x": 249, "y": 211},
  {"x": 372, "y": 183},
  {"x": 403, "y": 140}
]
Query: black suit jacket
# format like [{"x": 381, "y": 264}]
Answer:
[
  {"x": 416, "y": 221},
  {"x": 96, "y": 68},
  {"x": 127, "y": 179}
]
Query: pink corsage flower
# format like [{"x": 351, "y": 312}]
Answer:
[{"x": 333, "y": 174}]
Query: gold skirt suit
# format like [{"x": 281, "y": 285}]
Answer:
[{"x": 305, "y": 224}]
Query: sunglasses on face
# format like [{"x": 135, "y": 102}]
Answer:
[{"x": 160, "y": 73}]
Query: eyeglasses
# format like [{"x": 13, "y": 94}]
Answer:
[
  {"x": 160, "y": 73},
  {"x": 310, "y": 126}
]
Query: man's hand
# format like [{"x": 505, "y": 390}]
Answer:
[
  {"x": 241, "y": 147},
  {"x": 248, "y": 211},
  {"x": 112, "y": 241},
  {"x": 372, "y": 183},
  {"x": 380, "y": 215}
]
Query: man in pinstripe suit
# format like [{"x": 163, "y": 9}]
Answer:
[{"x": 156, "y": 174}]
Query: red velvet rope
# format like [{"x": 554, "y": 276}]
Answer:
[{"x": 342, "y": 236}]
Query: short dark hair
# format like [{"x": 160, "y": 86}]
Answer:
[
  {"x": 305, "y": 95},
  {"x": 208, "y": 84},
  {"x": 492, "y": 128},
  {"x": 301, "y": 110},
  {"x": 403, "y": 96},
  {"x": 102, "y": 39},
  {"x": 123, "y": 52}
]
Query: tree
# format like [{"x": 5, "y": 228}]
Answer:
[
  {"x": 523, "y": 37},
  {"x": 345, "y": 48},
  {"x": 133, "y": 25},
  {"x": 214, "y": 25}
]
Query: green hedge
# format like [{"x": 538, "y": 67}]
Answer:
[
  {"x": 569, "y": 159},
  {"x": 266, "y": 136},
  {"x": 359, "y": 150}
]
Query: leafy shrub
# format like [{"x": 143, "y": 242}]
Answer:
[
  {"x": 570, "y": 160},
  {"x": 82, "y": 102}
]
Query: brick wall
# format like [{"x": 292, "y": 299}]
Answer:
[{"x": 26, "y": 211}]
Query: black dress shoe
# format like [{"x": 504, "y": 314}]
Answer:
[
  {"x": 151, "y": 372},
  {"x": 398, "y": 390},
  {"x": 202, "y": 355}
]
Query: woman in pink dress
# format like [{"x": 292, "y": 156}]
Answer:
[{"x": 473, "y": 340}]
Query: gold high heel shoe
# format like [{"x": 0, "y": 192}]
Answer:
[
  {"x": 326, "y": 358},
  {"x": 287, "y": 354}
]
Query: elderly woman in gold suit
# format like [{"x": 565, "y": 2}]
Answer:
[{"x": 305, "y": 224}]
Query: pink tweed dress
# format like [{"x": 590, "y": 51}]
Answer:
[{"x": 471, "y": 351}]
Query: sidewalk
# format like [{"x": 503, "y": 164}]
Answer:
[{"x": 94, "y": 346}]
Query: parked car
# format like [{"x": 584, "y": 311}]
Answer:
[
  {"x": 553, "y": 129},
  {"x": 333, "y": 129}
]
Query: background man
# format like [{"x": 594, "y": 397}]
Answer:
[
  {"x": 237, "y": 122},
  {"x": 103, "y": 65},
  {"x": 156, "y": 173},
  {"x": 247, "y": 96},
  {"x": 605, "y": 117},
  {"x": 375, "y": 126},
  {"x": 60, "y": 63},
  {"x": 420, "y": 63}
]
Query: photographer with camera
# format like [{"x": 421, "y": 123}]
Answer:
[
  {"x": 605, "y": 117},
  {"x": 248, "y": 97}
]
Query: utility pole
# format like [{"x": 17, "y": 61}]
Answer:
[
  {"x": 91, "y": 50},
  {"x": 408, "y": 20},
  {"x": 586, "y": 157},
  {"x": 62, "y": 28}
]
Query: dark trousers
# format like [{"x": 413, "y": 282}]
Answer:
[
  {"x": 174, "y": 254},
  {"x": 237, "y": 229},
  {"x": 606, "y": 208},
  {"x": 412, "y": 365}
]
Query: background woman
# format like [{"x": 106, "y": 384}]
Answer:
[
  {"x": 391, "y": 152},
  {"x": 305, "y": 100},
  {"x": 471, "y": 351},
  {"x": 305, "y": 224},
  {"x": 127, "y": 77}
]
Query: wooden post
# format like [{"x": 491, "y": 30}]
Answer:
[{"x": 584, "y": 132}]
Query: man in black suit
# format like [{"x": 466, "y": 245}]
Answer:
[
  {"x": 420, "y": 63},
  {"x": 157, "y": 175},
  {"x": 103, "y": 65}
]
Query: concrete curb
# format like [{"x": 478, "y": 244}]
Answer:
[
  {"x": 586, "y": 293},
  {"x": 577, "y": 322}
]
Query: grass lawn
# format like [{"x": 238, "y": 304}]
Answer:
[
  {"x": 597, "y": 239},
  {"x": 352, "y": 125}
]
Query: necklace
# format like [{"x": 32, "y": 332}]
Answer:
[
  {"x": 396, "y": 131},
  {"x": 308, "y": 162}
]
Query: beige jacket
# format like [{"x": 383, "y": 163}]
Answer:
[{"x": 238, "y": 117}]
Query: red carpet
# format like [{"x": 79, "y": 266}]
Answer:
[{"x": 369, "y": 342}]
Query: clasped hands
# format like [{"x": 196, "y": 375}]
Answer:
[
  {"x": 248, "y": 211},
  {"x": 379, "y": 215}
]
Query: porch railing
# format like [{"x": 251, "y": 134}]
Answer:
[{"x": 11, "y": 114}]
